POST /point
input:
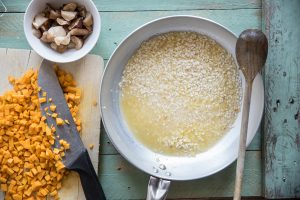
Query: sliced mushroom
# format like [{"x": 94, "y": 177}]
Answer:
[
  {"x": 47, "y": 10},
  {"x": 58, "y": 48},
  {"x": 54, "y": 23},
  {"x": 70, "y": 7},
  {"x": 76, "y": 23},
  {"x": 54, "y": 14},
  {"x": 39, "y": 20},
  {"x": 62, "y": 22},
  {"x": 45, "y": 26},
  {"x": 79, "y": 31},
  {"x": 89, "y": 28},
  {"x": 63, "y": 28},
  {"x": 61, "y": 48},
  {"x": 53, "y": 46},
  {"x": 82, "y": 11},
  {"x": 37, "y": 33},
  {"x": 44, "y": 37},
  {"x": 88, "y": 20},
  {"x": 77, "y": 41},
  {"x": 54, "y": 32},
  {"x": 62, "y": 40},
  {"x": 68, "y": 15},
  {"x": 71, "y": 45}
]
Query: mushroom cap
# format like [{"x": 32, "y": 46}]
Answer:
[
  {"x": 39, "y": 20},
  {"x": 71, "y": 45},
  {"x": 53, "y": 46},
  {"x": 68, "y": 15},
  {"x": 54, "y": 14},
  {"x": 37, "y": 33},
  {"x": 62, "y": 22},
  {"x": 77, "y": 41},
  {"x": 76, "y": 23},
  {"x": 61, "y": 48},
  {"x": 79, "y": 31},
  {"x": 55, "y": 31},
  {"x": 44, "y": 37},
  {"x": 62, "y": 40},
  {"x": 70, "y": 7},
  {"x": 88, "y": 20}
]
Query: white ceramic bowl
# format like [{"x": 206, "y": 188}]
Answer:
[{"x": 43, "y": 49}]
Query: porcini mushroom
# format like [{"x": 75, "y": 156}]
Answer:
[
  {"x": 77, "y": 41},
  {"x": 61, "y": 48},
  {"x": 37, "y": 33},
  {"x": 44, "y": 37},
  {"x": 54, "y": 32},
  {"x": 71, "y": 45},
  {"x": 82, "y": 10},
  {"x": 70, "y": 7},
  {"x": 79, "y": 31},
  {"x": 62, "y": 40},
  {"x": 54, "y": 14},
  {"x": 45, "y": 26},
  {"x": 88, "y": 20},
  {"x": 68, "y": 15},
  {"x": 39, "y": 20},
  {"x": 63, "y": 28},
  {"x": 89, "y": 28},
  {"x": 53, "y": 46},
  {"x": 62, "y": 22},
  {"x": 58, "y": 48},
  {"x": 76, "y": 23}
]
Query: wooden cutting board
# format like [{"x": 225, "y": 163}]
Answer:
[{"x": 87, "y": 72}]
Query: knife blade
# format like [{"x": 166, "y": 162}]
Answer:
[{"x": 77, "y": 157}]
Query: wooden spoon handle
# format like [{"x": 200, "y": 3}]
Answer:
[{"x": 243, "y": 139}]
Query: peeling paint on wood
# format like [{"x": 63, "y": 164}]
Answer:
[
  {"x": 138, "y": 5},
  {"x": 117, "y": 25},
  {"x": 282, "y": 91},
  {"x": 121, "y": 180}
]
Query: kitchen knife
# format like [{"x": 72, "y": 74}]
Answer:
[{"x": 77, "y": 157}]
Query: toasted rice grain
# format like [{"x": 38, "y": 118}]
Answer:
[{"x": 189, "y": 82}]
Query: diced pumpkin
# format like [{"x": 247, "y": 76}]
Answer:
[{"x": 30, "y": 169}]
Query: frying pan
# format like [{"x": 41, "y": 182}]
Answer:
[{"x": 164, "y": 168}]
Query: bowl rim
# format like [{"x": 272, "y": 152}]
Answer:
[
  {"x": 61, "y": 59},
  {"x": 103, "y": 109}
]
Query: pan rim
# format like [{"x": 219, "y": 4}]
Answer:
[{"x": 103, "y": 110}]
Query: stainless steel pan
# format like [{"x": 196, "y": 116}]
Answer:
[{"x": 164, "y": 168}]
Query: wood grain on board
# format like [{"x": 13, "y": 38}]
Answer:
[
  {"x": 282, "y": 100},
  {"x": 87, "y": 73}
]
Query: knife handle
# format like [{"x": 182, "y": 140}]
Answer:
[{"x": 88, "y": 177}]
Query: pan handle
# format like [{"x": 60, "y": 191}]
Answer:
[{"x": 157, "y": 188}]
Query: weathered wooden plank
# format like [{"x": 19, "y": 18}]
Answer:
[
  {"x": 137, "y": 5},
  {"x": 128, "y": 182},
  {"x": 115, "y": 26},
  {"x": 282, "y": 89},
  {"x": 255, "y": 145}
]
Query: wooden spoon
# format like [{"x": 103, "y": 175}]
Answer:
[{"x": 251, "y": 53}]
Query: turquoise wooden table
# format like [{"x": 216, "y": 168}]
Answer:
[{"x": 272, "y": 167}]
